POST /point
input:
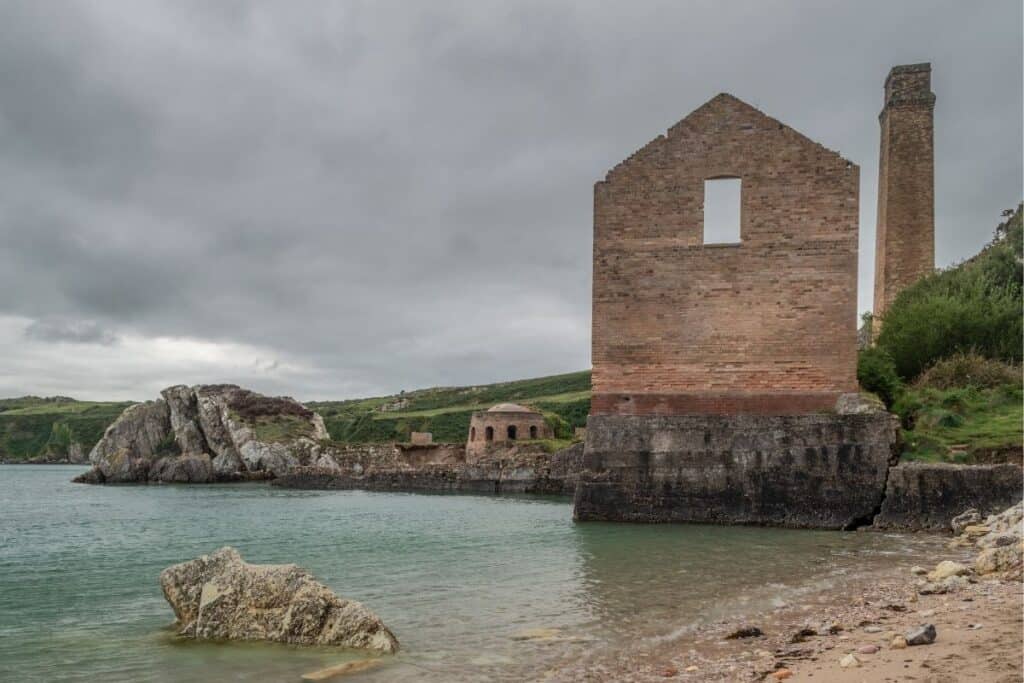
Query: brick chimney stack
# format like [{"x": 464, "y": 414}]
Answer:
[{"x": 905, "y": 238}]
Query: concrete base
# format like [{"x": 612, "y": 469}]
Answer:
[
  {"x": 927, "y": 496},
  {"x": 820, "y": 470}
]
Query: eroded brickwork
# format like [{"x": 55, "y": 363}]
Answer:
[
  {"x": 905, "y": 237},
  {"x": 767, "y": 325}
]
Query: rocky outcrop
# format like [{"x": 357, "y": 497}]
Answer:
[
  {"x": 208, "y": 433},
  {"x": 820, "y": 470},
  {"x": 222, "y": 597},
  {"x": 928, "y": 496}
]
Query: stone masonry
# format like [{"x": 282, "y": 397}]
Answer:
[
  {"x": 762, "y": 326},
  {"x": 905, "y": 237}
]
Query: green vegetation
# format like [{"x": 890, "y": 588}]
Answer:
[
  {"x": 972, "y": 307},
  {"x": 876, "y": 373},
  {"x": 965, "y": 424},
  {"x": 32, "y": 427},
  {"x": 445, "y": 411},
  {"x": 947, "y": 360},
  {"x": 274, "y": 429}
]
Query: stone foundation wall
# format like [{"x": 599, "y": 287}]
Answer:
[
  {"x": 927, "y": 496},
  {"x": 821, "y": 470},
  {"x": 513, "y": 470}
]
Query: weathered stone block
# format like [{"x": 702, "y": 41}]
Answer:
[
  {"x": 927, "y": 496},
  {"x": 820, "y": 470}
]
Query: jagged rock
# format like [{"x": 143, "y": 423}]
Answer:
[
  {"x": 131, "y": 442},
  {"x": 190, "y": 468},
  {"x": 229, "y": 433},
  {"x": 964, "y": 519},
  {"x": 184, "y": 411},
  {"x": 850, "y": 661},
  {"x": 220, "y": 596},
  {"x": 922, "y": 635}
]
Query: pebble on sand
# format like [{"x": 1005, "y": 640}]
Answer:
[
  {"x": 922, "y": 635},
  {"x": 849, "y": 662},
  {"x": 781, "y": 674}
]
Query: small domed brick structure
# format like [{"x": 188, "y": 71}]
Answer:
[{"x": 503, "y": 424}]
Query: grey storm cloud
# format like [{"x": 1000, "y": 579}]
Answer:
[
  {"x": 73, "y": 331},
  {"x": 329, "y": 199}
]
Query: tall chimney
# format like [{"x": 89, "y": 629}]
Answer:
[{"x": 905, "y": 238}]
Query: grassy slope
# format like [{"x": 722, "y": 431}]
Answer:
[
  {"x": 32, "y": 427},
  {"x": 963, "y": 425},
  {"x": 445, "y": 411}
]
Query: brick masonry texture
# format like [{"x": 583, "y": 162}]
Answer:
[
  {"x": 477, "y": 443},
  {"x": 905, "y": 236},
  {"x": 765, "y": 326}
]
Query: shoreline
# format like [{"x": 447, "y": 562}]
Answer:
[{"x": 980, "y": 637}]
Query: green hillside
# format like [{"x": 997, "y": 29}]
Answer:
[
  {"x": 445, "y": 411},
  {"x": 45, "y": 428}
]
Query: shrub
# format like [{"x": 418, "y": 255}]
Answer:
[
  {"x": 876, "y": 373},
  {"x": 972, "y": 308},
  {"x": 969, "y": 370}
]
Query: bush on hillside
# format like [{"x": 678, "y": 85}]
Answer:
[
  {"x": 968, "y": 370},
  {"x": 973, "y": 307},
  {"x": 876, "y": 372}
]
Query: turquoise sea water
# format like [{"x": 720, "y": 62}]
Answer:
[{"x": 456, "y": 577}]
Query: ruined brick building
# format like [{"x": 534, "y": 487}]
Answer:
[
  {"x": 503, "y": 425},
  {"x": 724, "y": 369},
  {"x": 762, "y": 325},
  {"x": 905, "y": 237}
]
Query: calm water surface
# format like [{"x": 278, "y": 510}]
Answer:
[{"x": 456, "y": 577}]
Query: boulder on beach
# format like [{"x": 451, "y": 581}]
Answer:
[
  {"x": 207, "y": 433},
  {"x": 222, "y": 597}
]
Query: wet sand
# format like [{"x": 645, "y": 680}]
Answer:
[{"x": 980, "y": 635}]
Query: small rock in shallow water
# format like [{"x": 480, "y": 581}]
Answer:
[
  {"x": 745, "y": 632},
  {"x": 849, "y": 662},
  {"x": 341, "y": 670},
  {"x": 922, "y": 635},
  {"x": 867, "y": 650}
]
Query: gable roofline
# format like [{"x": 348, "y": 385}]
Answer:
[{"x": 731, "y": 100}]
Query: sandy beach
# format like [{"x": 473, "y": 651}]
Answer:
[{"x": 979, "y": 628}]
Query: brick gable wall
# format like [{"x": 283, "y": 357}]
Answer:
[{"x": 764, "y": 326}]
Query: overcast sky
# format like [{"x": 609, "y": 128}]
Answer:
[{"x": 336, "y": 199}]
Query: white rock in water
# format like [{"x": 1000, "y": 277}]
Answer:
[{"x": 220, "y": 596}]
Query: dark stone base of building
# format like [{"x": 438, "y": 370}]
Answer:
[
  {"x": 825, "y": 471},
  {"x": 926, "y": 497}
]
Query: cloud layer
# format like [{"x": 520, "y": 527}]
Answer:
[{"x": 333, "y": 199}]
